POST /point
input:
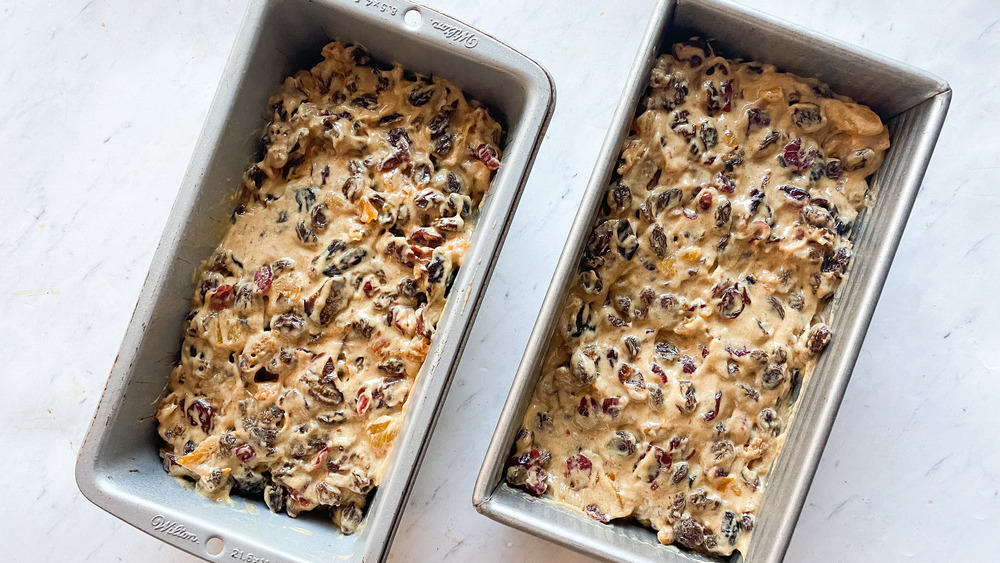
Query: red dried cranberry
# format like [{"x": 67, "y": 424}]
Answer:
[
  {"x": 687, "y": 364},
  {"x": 794, "y": 158},
  {"x": 263, "y": 278},
  {"x": 245, "y": 452},
  {"x": 488, "y": 155},
  {"x": 593, "y": 512},
  {"x": 200, "y": 413},
  {"x": 610, "y": 407},
  {"x": 705, "y": 201},
  {"x": 363, "y": 402},
  {"x": 222, "y": 298}
]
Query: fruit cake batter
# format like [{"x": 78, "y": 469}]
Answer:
[
  {"x": 672, "y": 374},
  {"x": 313, "y": 316}
]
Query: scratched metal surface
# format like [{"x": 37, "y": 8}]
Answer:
[
  {"x": 912, "y": 102},
  {"x": 119, "y": 467}
]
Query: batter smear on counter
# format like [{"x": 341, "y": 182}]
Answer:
[
  {"x": 671, "y": 378},
  {"x": 313, "y": 316}
]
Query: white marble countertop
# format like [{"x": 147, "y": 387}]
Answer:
[{"x": 100, "y": 106}]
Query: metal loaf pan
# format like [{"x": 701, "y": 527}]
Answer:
[
  {"x": 913, "y": 104},
  {"x": 118, "y": 467}
]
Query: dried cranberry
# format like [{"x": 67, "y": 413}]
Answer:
[
  {"x": 659, "y": 372},
  {"x": 593, "y": 512},
  {"x": 794, "y": 158},
  {"x": 705, "y": 201},
  {"x": 263, "y": 278},
  {"x": 687, "y": 364},
  {"x": 610, "y": 407},
  {"x": 245, "y": 452},
  {"x": 579, "y": 462},
  {"x": 488, "y": 155},
  {"x": 363, "y": 402},
  {"x": 200, "y": 413},
  {"x": 222, "y": 298}
]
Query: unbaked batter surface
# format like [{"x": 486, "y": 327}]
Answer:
[
  {"x": 671, "y": 378},
  {"x": 312, "y": 318}
]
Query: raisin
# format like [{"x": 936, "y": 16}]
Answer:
[
  {"x": 709, "y": 135},
  {"x": 807, "y": 116},
  {"x": 420, "y": 94},
  {"x": 619, "y": 196},
  {"x": 689, "y": 533},
  {"x": 366, "y": 101},
  {"x": 758, "y": 118},
  {"x": 818, "y": 339},
  {"x": 658, "y": 240}
]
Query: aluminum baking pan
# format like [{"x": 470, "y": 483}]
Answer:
[
  {"x": 914, "y": 105},
  {"x": 118, "y": 467}
]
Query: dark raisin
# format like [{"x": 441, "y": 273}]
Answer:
[
  {"x": 818, "y": 339},
  {"x": 360, "y": 55},
  {"x": 390, "y": 119},
  {"x": 442, "y": 145},
  {"x": 688, "y": 393},
  {"x": 772, "y": 377},
  {"x": 622, "y": 443},
  {"x": 627, "y": 242},
  {"x": 733, "y": 301},
  {"x": 276, "y": 497},
  {"x": 709, "y": 135},
  {"x": 758, "y": 118},
  {"x": 770, "y": 421},
  {"x": 619, "y": 196},
  {"x": 794, "y": 192},
  {"x": 200, "y": 413},
  {"x": 807, "y": 116},
  {"x": 257, "y": 176},
  {"x": 420, "y": 94},
  {"x": 689, "y": 533},
  {"x": 366, "y": 101},
  {"x": 730, "y": 527},
  {"x": 768, "y": 140},
  {"x": 658, "y": 240}
]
